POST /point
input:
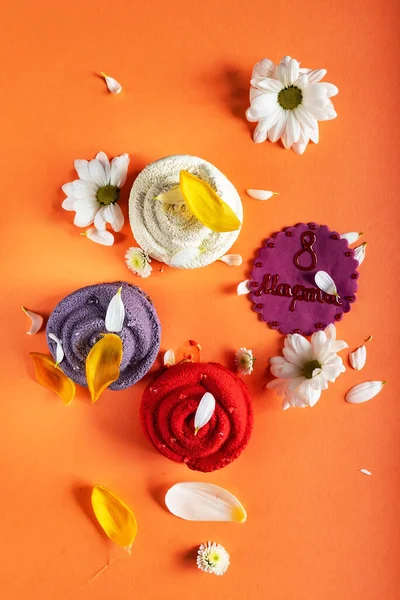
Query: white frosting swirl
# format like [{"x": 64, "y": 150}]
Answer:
[{"x": 162, "y": 229}]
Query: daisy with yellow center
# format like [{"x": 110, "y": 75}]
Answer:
[
  {"x": 213, "y": 558},
  {"x": 244, "y": 361},
  {"x": 138, "y": 261}
]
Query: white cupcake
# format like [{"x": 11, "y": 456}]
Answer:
[{"x": 163, "y": 230}]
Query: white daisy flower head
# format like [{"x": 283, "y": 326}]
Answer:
[
  {"x": 94, "y": 196},
  {"x": 213, "y": 558},
  {"x": 288, "y": 101},
  {"x": 244, "y": 361},
  {"x": 138, "y": 261},
  {"x": 306, "y": 367}
]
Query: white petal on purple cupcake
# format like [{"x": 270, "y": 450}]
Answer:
[
  {"x": 352, "y": 236},
  {"x": 364, "y": 391},
  {"x": 59, "y": 348},
  {"x": 325, "y": 283},
  {"x": 360, "y": 252},
  {"x": 358, "y": 358},
  {"x": 115, "y": 314},
  {"x": 232, "y": 260},
  {"x": 243, "y": 288}
]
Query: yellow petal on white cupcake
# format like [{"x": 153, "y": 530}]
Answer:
[
  {"x": 325, "y": 283},
  {"x": 36, "y": 321},
  {"x": 197, "y": 501},
  {"x": 232, "y": 260},
  {"x": 359, "y": 253},
  {"x": 183, "y": 257},
  {"x": 112, "y": 84},
  {"x": 243, "y": 288},
  {"x": 364, "y": 391},
  {"x": 59, "y": 348},
  {"x": 261, "y": 194},
  {"x": 169, "y": 358},
  {"x": 115, "y": 314},
  {"x": 358, "y": 358},
  {"x": 204, "y": 412},
  {"x": 352, "y": 236},
  {"x": 105, "y": 238}
]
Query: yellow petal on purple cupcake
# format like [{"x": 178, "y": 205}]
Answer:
[
  {"x": 103, "y": 364},
  {"x": 206, "y": 205},
  {"x": 53, "y": 378}
]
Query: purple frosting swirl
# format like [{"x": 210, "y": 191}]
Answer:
[
  {"x": 78, "y": 321},
  {"x": 282, "y": 281}
]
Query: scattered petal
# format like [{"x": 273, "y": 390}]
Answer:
[
  {"x": 37, "y": 321},
  {"x": 212, "y": 558},
  {"x": 59, "y": 349},
  {"x": 243, "y": 288},
  {"x": 369, "y": 338},
  {"x": 189, "y": 351},
  {"x": 103, "y": 364},
  {"x": 138, "y": 261},
  {"x": 205, "y": 204},
  {"x": 244, "y": 361},
  {"x": 352, "y": 236},
  {"x": 325, "y": 283},
  {"x": 105, "y": 238},
  {"x": 169, "y": 358},
  {"x": 204, "y": 412},
  {"x": 115, "y": 314},
  {"x": 261, "y": 194},
  {"x": 114, "y": 516},
  {"x": 232, "y": 260},
  {"x": 365, "y": 472},
  {"x": 112, "y": 84},
  {"x": 364, "y": 391},
  {"x": 51, "y": 377},
  {"x": 196, "y": 501},
  {"x": 173, "y": 196},
  {"x": 358, "y": 358},
  {"x": 359, "y": 253},
  {"x": 183, "y": 257}
]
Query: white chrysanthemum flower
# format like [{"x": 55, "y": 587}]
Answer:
[
  {"x": 244, "y": 361},
  {"x": 138, "y": 261},
  {"x": 288, "y": 102},
  {"x": 306, "y": 367},
  {"x": 213, "y": 558},
  {"x": 94, "y": 196}
]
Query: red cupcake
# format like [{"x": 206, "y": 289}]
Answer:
[{"x": 169, "y": 405}]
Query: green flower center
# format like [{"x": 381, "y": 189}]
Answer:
[
  {"x": 309, "y": 367},
  {"x": 290, "y": 97},
  {"x": 213, "y": 559},
  {"x": 108, "y": 194}
]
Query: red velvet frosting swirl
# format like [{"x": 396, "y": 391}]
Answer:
[{"x": 170, "y": 402}]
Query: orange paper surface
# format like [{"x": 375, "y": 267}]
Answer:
[{"x": 317, "y": 528}]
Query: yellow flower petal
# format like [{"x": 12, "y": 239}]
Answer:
[
  {"x": 51, "y": 377},
  {"x": 206, "y": 205},
  {"x": 103, "y": 363},
  {"x": 114, "y": 516}
]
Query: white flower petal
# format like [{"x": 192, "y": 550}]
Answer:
[
  {"x": 184, "y": 257},
  {"x": 286, "y": 371},
  {"x": 115, "y": 314},
  {"x": 204, "y": 412},
  {"x": 351, "y": 236},
  {"x": 359, "y": 253},
  {"x": 80, "y": 189},
  {"x": 100, "y": 220},
  {"x": 59, "y": 348},
  {"x": 196, "y": 501},
  {"x": 243, "y": 287},
  {"x": 305, "y": 118},
  {"x": 85, "y": 213},
  {"x": 169, "y": 358},
  {"x": 97, "y": 172},
  {"x": 36, "y": 321},
  {"x": 364, "y": 391},
  {"x": 301, "y": 346},
  {"x": 173, "y": 196},
  {"x": 365, "y": 472},
  {"x": 232, "y": 260},
  {"x": 103, "y": 159},
  {"x": 264, "y": 68},
  {"x": 358, "y": 358},
  {"x": 318, "y": 340},
  {"x": 267, "y": 84},
  {"x": 299, "y": 147},
  {"x": 261, "y": 194},
  {"x": 292, "y": 71},
  {"x": 276, "y": 130},
  {"x": 316, "y": 75},
  {"x": 261, "y": 132},
  {"x": 69, "y": 203},
  {"x": 105, "y": 238},
  {"x": 119, "y": 170},
  {"x": 82, "y": 168},
  {"x": 112, "y": 84},
  {"x": 115, "y": 216},
  {"x": 325, "y": 283}
]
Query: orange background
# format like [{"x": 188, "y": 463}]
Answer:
[{"x": 317, "y": 529}]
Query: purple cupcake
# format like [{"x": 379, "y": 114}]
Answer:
[{"x": 78, "y": 321}]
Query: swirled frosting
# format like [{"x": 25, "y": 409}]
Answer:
[
  {"x": 169, "y": 405},
  {"x": 162, "y": 229},
  {"x": 78, "y": 321}
]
